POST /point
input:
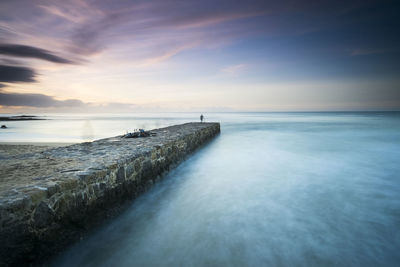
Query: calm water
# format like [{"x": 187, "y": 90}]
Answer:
[
  {"x": 74, "y": 128},
  {"x": 274, "y": 189}
]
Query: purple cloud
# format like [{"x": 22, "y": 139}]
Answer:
[
  {"x": 31, "y": 52},
  {"x": 14, "y": 74},
  {"x": 36, "y": 100}
]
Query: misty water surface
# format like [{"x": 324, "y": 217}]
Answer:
[{"x": 274, "y": 189}]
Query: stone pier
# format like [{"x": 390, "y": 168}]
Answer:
[{"x": 49, "y": 198}]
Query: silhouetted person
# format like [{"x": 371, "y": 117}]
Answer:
[{"x": 201, "y": 118}]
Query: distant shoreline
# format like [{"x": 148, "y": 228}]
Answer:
[{"x": 21, "y": 118}]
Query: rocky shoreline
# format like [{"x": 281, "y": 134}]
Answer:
[
  {"x": 48, "y": 198},
  {"x": 21, "y": 118}
]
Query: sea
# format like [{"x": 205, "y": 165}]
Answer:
[{"x": 273, "y": 189}]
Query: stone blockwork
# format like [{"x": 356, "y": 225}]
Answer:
[{"x": 48, "y": 199}]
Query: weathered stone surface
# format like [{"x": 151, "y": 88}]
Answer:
[
  {"x": 48, "y": 198},
  {"x": 42, "y": 215}
]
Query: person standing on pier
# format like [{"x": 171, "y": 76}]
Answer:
[{"x": 201, "y": 118}]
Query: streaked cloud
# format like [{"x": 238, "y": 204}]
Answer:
[
  {"x": 35, "y": 100},
  {"x": 26, "y": 51},
  {"x": 12, "y": 74}
]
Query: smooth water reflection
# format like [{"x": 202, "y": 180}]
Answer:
[{"x": 272, "y": 190}]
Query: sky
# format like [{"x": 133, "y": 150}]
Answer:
[{"x": 172, "y": 55}]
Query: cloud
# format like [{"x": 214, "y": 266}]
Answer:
[
  {"x": 116, "y": 105},
  {"x": 93, "y": 26},
  {"x": 36, "y": 100},
  {"x": 8, "y": 61},
  {"x": 31, "y": 52},
  {"x": 16, "y": 74},
  {"x": 233, "y": 69},
  {"x": 86, "y": 39},
  {"x": 85, "y": 28}
]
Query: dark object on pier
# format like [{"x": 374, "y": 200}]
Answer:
[
  {"x": 140, "y": 133},
  {"x": 201, "y": 118},
  {"x": 3, "y": 126}
]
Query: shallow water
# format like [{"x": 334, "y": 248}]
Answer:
[
  {"x": 75, "y": 128},
  {"x": 274, "y": 189}
]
